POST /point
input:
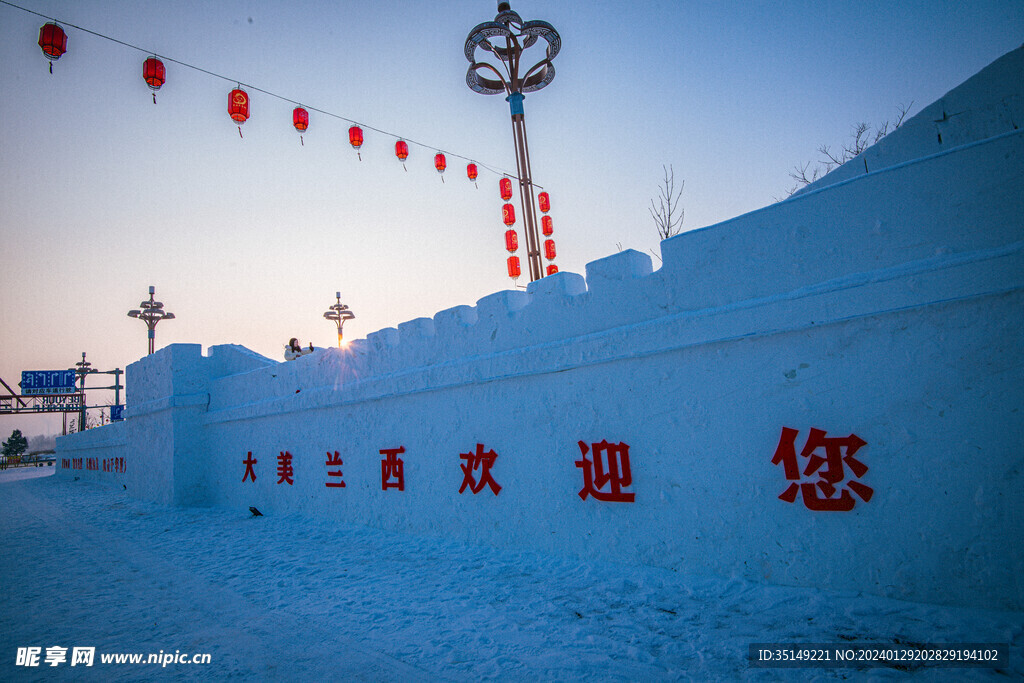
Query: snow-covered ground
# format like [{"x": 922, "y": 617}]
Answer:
[{"x": 297, "y": 598}]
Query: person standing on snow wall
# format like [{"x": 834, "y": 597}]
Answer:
[{"x": 293, "y": 350}]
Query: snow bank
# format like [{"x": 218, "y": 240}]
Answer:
[
  {"x": 823, "y": 392},
  {"x": 293, "y": 598}
]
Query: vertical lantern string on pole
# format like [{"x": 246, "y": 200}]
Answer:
[
  {"x": 508, "y": 217},
  {"x": 503, "y": 77},
  {"x": 548, "y": 228}
]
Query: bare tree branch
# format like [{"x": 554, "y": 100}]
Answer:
[
  {"x": 667, "y": 214},
  {"x": 861, "y": 138}
]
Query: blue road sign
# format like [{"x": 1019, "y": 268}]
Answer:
[{"x": 47, "y": 382}]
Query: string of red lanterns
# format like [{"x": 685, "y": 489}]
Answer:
[
  {"x": 547, "y": 227},
  {"x": 508, "y": 217},
  {"x": 53, "y": 42}
]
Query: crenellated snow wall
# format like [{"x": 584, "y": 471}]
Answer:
[{"x": 825, "y": 391}]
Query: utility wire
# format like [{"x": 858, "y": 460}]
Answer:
[{"x": 492, "y": 169}]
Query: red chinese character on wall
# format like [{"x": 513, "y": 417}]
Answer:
[
  {"x": 284, "y": 468},
  {"x": 335, "y": 461},
  {"x": 115, "y": 465},
  {"x": 249, "y": 471},
  {"x": 839, "y": 452},
  {"x": 392, "y": 467},
  {"x": 607, "y": 474},
  {"x": 478, "y": 461}
]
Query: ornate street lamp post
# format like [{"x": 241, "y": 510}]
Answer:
[
  {"x": 339, "y": 313},
  {"x": 516, "y": 35},
  {"x": 152, "y": 312}
]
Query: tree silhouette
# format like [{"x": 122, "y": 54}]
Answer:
[
  {"x": 16, "y": 445},
  {"x": 667, "y": 214}
]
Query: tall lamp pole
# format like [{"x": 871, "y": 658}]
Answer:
[
  {"x": 339, "y": 313},
  {"x": 516, "y": 35},
  {"x": 151, "y": 313},
  {"x": 82, "y": 369}
]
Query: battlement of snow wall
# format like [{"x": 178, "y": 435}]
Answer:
[{"x": 741, "y": 376}]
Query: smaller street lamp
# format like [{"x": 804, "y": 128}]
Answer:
[
  {"x": 339, "y": 313},
  {"x": 152, "y": 312}
]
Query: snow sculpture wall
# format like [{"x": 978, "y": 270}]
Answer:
[{"x": 825, "y": 391}]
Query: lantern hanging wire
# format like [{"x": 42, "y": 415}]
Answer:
[{"x": 493, "y": 169}]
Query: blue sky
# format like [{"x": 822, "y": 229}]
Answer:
[{"x": 247, "y": 239}]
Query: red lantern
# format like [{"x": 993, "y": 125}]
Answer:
[
  {"x": 154, "y": 74},
  {"x": 552, "y": 269},
  {"x": 508, "y": 214},
  {"x": 300, "y": 119},
  {"x": 511, "y": 241},
  {"x": 355, "y": 138},
  {"x": 53, "y": 41},
  {"x": 546, "y": 226},
  {"x": 471, "y": 172},
  {"x": 402, "y": 152},
  {"x": 545, "y": 201},
  {"x": 549, "y": 250},
  {"x": 513, "y": 267},
  {"x": 238, "y": 107},
  {"x": 505, "y": 185},
  {"x": 440, "y": 164}
]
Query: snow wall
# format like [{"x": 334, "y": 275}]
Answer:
[{"x": 827, "y": 391}]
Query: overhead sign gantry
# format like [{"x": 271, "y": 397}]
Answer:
[{"x": 60, "y": 391}]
